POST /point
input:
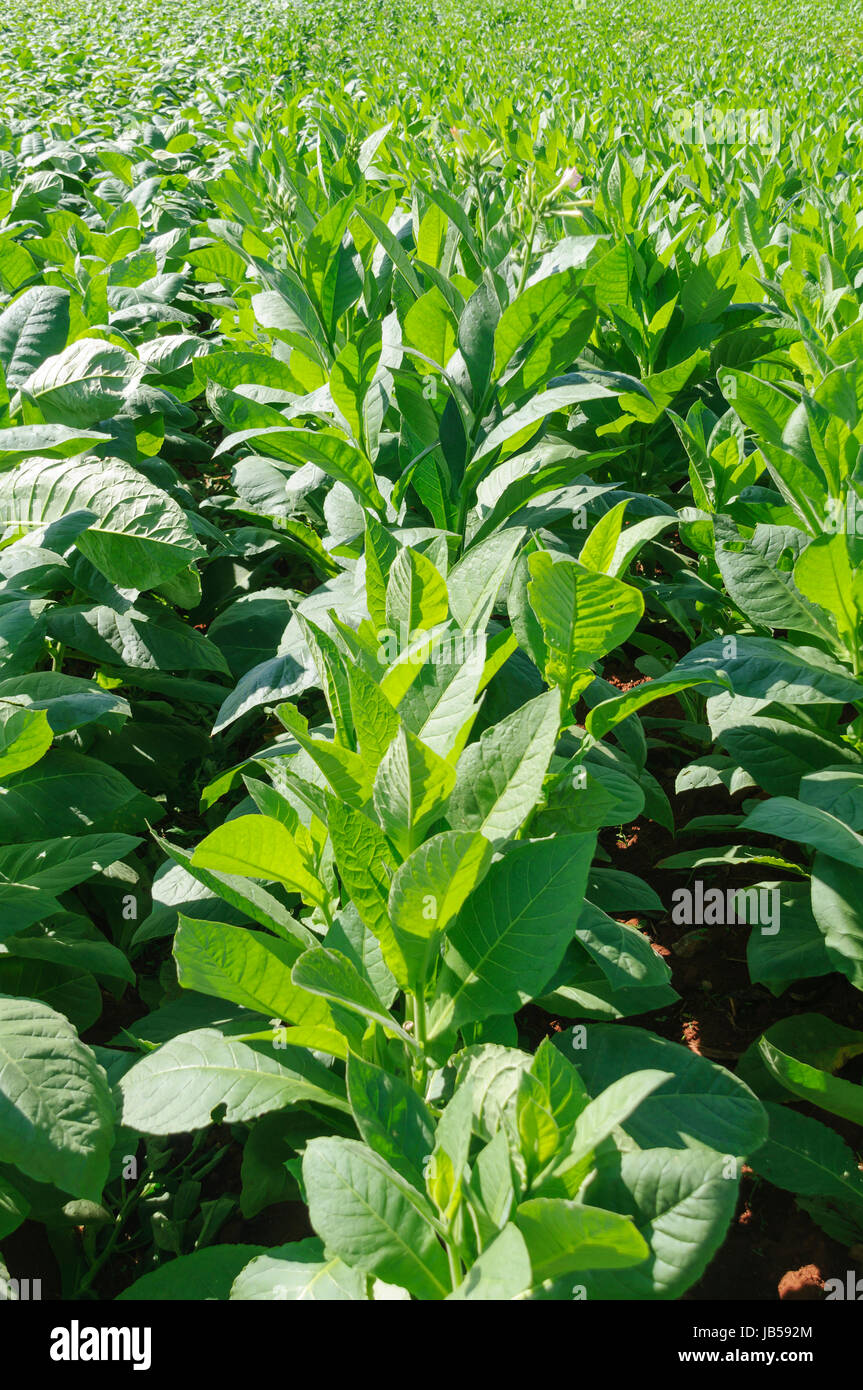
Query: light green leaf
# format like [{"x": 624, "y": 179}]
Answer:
[
  {"x": 501, "y": 1272},
  {"x": 299, "y": 1272},
  {"x": 351, "y": 377},
  {"x": 411, "y": 788},
  {"x": 259, "y": 847},
  {"x": 583, "y": 616},
  {"x": 138, "y": 536},
  {"x": 564, "y": 1236},
  {"x": 366, "y": 864},
  {"x": 824, "y": 575},
  {"x": 499, "y": 778},
  {"x": 536, "y": 312},
  {"x": 372, "y": 1219},
  {"x": 429, "y": 889},
  {"x": 416, "y": 595},
  {"x": 175, "y": 1090},
  {"x": 246, "y": 967},
  {"x": 598, "y": 551},
  {"x": 56, "y": 1113},
  {"x": 681, "y": 1202},
  {"x": 332, "y": 975},
  {"x": 25, "y": 737},
  {"x": 512, "y": 932},
  {"x": 797, "y": 1052}
]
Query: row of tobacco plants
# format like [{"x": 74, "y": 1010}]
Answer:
[{"x": 396, "y": 404}]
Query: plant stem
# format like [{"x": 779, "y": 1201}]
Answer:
[
  {"x": 455, "y": 1272},
  {"x": 209, "y": 1164},
  {"x": 525, "y": 269},
  {"x": 419, "y": 1013},
  {"x": 128, "y": 1202}
]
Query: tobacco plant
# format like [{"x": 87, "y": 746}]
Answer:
[{"x": 429, "y": 448}]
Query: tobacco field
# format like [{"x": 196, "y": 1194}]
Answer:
[{"x": 431, "y": 689}]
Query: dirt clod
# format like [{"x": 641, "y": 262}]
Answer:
[{"x": 805, "y": 1284}]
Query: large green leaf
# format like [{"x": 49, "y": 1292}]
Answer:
[
  {"x": 202, "y": 1274},
  {"x": 259, "y": 847},
  {"x": 372, "y": 1218},
  {"x": 391, "y": 1118},
  {"x": 512, "y": 932},
  {"x": 564, "y": 1236},
  {"x": 583, "y": 616},
  {"x": 175, "y": 1090},
  {"x": 246, "y": 967},
  {"x": 245, "y": 895},
  {"x": 332, "y": 453},
  {"x": 25, "y": 737},
  {"x": 70, "y": 794},
  {"x": 681, "y": 1201},
  {"x": 411, "y": 788},
  {"x": 501, "y": 1272},
  {"x": 798, "y": 951},
  {"x": 33, "y": 327},
  {"x": 416, "y": 595},
  {"x": 56, "y": 1113},
  {"x": 702, "y": 1105},
  {"x": 475, "y": 581},
  {"x": 538, "y": 311},
  {"x": 838, "y": 790},
  {"x": 499, "y": 778},
  {"x": 808, "y": 1158},
  {"x": 794, "y": 820},
  {"x": 765, "y": 669},
  {"x": 365, "y": 863},
  {"x": 334, "y": 976},
  {"x": 138, "y": 537},
  {"x": 777, "y": 753},
  {"x": 429, "y": 889},
  {"x": 83, "y": 384},
  {"x": 439, "y": 704},
  {"x": 801, "y": 1053},
  {"x": 758, "y": 586},
  {"x": 837, "y": 906},
  {"x": 142, "y": 638},
  {"x": 300, "y": 1271},
  {"x": 14, "y": 1208}
]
